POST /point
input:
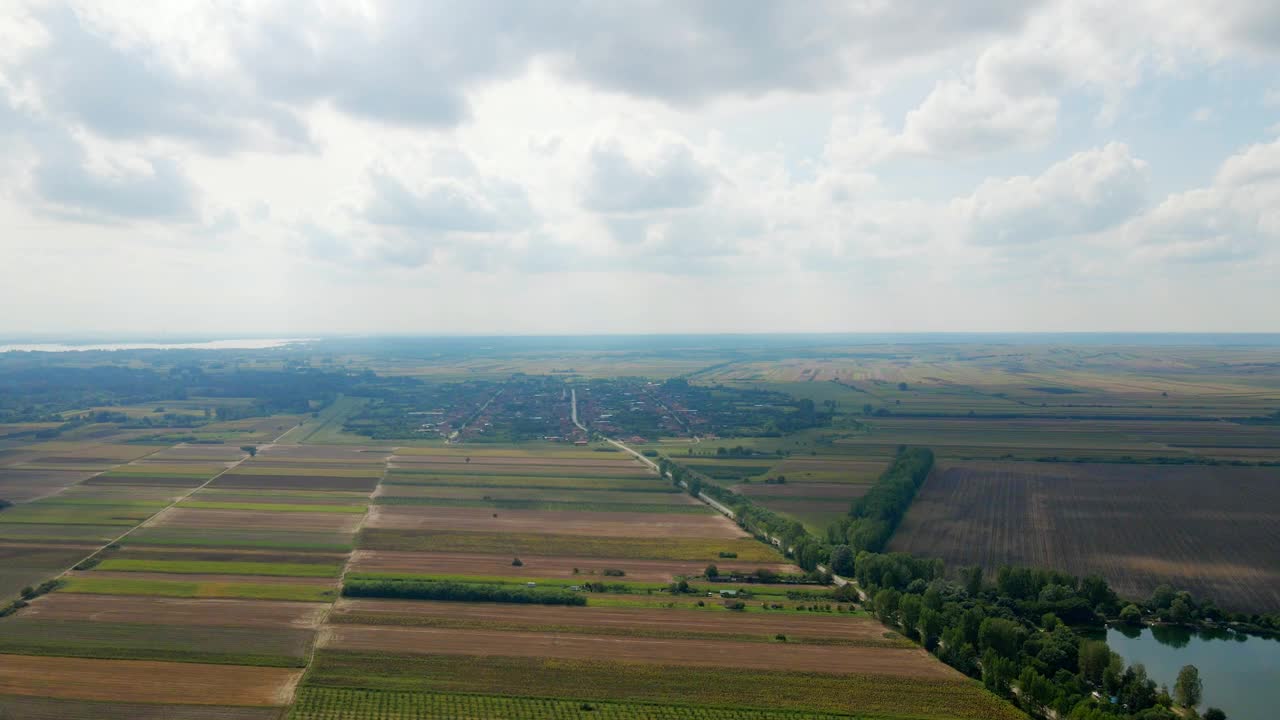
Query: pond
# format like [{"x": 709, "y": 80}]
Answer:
[{"x": 1241, "y": 673}]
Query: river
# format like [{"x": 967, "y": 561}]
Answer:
[{"x": 1241, "y": 673}]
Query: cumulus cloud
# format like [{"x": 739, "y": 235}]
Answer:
[
  {"x": 1088, "y": 192},
  {"x": 673, "y": 178}
]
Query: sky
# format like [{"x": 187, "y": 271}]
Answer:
[{"x": 318, "y": 168}]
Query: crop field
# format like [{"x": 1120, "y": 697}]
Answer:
[
  {"x": 221, "y": 567},
  {"x": 188, "y": 518},
  {"x": 145, "y": 681},
  {"x": 882, "y": 695},
  {"x": 1208, "y": 530},
  {"x": 339, "y": 704},
  {"x": 798, "y": 628},
  {"x": 199, "y": 589},
  {"x": 176, "y": 611},
  {"x": 269, "y": 647},
  {"x": 534, "y": 566},
  {"x": 649, "y": 484},
  {"x": 20, "y": 485},
  {"x": 311, "y": 480},
  {"x": 563, "y": 522},
  {"x": 38, "y": 708},
  {"x": 704, "y": 549}
]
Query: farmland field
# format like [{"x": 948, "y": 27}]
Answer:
[{"x": 1205, "y": 529}]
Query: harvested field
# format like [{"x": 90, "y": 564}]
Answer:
[
  {"x": 176, "y": 611},
  {"x": 254, "y": 467},
  {"x": 670, "y": 548},
  {"x": 217, "y": 453},
  {"x": 733, "y": 687},
  {"x": 37, "y": 708},
  {"x": 560, "y": 522},
  {"x": 197, "y": 519},
  {"x": 661, "y": 494},
  {"x": 1214, "y": 531},
  {"x": 863, "y": 631},
  {"x": 145, "y": 681},
  {"x": 373, "y": 561},
  {"x": 134, "y": 552},
  {"x": 158, "y": 480},
  {"x": 229, "y": 567},
  {"x": 99, "y": 575},
  {"x": 18, "y": 486},
  {"x": 295, "y": 482},
  {"x": 913, "y": 662},
  {"x": 321, "y": 453}
]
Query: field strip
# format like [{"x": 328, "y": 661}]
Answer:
[
  {"x": 164, "y": 509},
  {"x": 323, "y": 620}
]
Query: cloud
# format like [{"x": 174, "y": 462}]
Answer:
[
  {"x": 126, "y": 89},
  {"x": 1088, "y": 192},
  {"x": 958, "y": 119},
  {"x": 671, "y": 179},
  {"x": 151, "y": 188},
  {"x": 1235, "y": 218}
]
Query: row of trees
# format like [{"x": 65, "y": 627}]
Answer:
[
  {"x": 875, "y": 515},
  {"x": 463, "y": 592}
]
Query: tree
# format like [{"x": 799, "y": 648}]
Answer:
[
  {"x": 1003, "y": 636},
  {"x": 842, "y": 560},
  {"x": 1214, "y": 714},
  {"x": 910, "y": 608},
  {"x": 1131, "y": 615},
  {"x": 1162, "y": 597},
  {"x": 972, "y": 578},
  {"x": 902, "y": 386},
  {"x": 1188, "y": 689},
  {"x": 1179, "y": 612},
  {"x": 252, "y": 450},
  {"x": 712, "y": 572},
  {"x": 1094, "y": 659}
]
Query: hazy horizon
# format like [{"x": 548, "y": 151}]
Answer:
[{"x": 295, "y": 169}]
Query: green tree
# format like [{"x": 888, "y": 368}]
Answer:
[
  {"x": 1214, "y": 714},
  {"x": 1188, "y": 689},
  {"x": 909, "y": 609},
  {"x": 842, "y": 560},
  {"x": 1131, "y": 615},
  {"x": 1003, "y": 636},
  {"x": 712, "y": 572},
  {"x": 251, "y": 449}
]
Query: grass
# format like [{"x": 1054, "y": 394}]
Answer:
[
  {"x": 273, "y": 507},
  {"x": 674, "y": 548},
  {"x": 223, "y": 567},
  {"x": 602, "y": 680},
  {"x": 175, "y": 643},
  {"x": 341, "y": 704},
  {"x": 184, "y": 589}
]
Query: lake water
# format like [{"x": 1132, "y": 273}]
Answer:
[
  {"x": 239, "y": 344},
  {"x": 1241, "y": 673}
]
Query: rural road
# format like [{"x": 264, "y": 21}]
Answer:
[{"x": 718, "y": 507}]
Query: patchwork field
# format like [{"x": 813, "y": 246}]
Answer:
[{"x": 1210, "y": 530}]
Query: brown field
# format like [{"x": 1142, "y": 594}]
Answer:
[
  {"x": 857, "y": 630},
  {"x": 332, "y": 453},
  {"x": 294, "y": 482},
  {"x": 798, "y": 467},
  {"x": 156, "y": 480},
  {"x": 145, "y": 681},
  {"x": 191, "y": 519},
  {"x": 482, "y": 469},
  {"x": 913, "y": 662},
  {"x": 206, "y": 578},
  {"x": 590, "y": 463},
  {"x": 560, "y": 522},
  {"x": 34, "y": 708},
  {"x": 541, "y": 566},
  {"x": 176, "y": 611},
  {"x": 481, "y": 492},
  {"x": 1214, "y": 531},
  {"x": 25, "y": 485},
  {"x": 220, "y": 453}
]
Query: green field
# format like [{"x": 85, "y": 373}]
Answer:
[
  {"x": 522, "y": 504},
  {"x": 223, "y": 567},
  {"x": 709, "y": 549},
  {"x": 183, "y": 589},
  {"x": 131, "y": 641},
  {"x": 224, "y": 538},
  {"x": 876, "y": 696},
  {"x": 340, "y": 704}
]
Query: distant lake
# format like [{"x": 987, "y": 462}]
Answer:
[
  {"x": 246, "y": 344},
  {"x": 1241, "y": 673}
]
